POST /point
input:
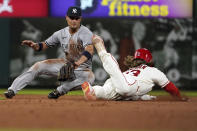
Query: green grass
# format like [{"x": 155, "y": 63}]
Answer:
[
  {"x": 6, "y": 129},
  {"x": 41, "y": 92},
  {"x": 59, "y": 130},
  {"x": 164, "y": 93},
  {"x": 79, "y": 92},
  {"x": 1, "y": 98},
  {"x": 64, "y": 130}
]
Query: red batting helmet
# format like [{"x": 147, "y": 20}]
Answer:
[{"x": 144, "y": 54}]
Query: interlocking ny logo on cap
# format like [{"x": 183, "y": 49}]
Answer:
[{"x": 74, "y": 11}]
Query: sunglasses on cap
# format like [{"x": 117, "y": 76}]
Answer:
[{"x": 74, "y": 17}]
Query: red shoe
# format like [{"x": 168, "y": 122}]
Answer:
[{"x": 88, "y": 91}]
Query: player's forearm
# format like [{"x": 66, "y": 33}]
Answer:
[
  {"x": 172, "y": 89},
  {"x": 86, "y": 55},
  {"x": 81, "y": 60},
  {"x": 36, "y": 46}
]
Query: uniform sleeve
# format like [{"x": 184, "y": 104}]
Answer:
[
  {"x": 172, "y": 89},
  {"x": 53, "y": 40},
  {"x": 86, "y": 38},
  {"x": 159, "y": 77}
]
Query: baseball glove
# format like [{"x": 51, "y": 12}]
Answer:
[{"x": 66, "y": 72}]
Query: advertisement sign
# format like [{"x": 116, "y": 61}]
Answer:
[
  {"x": 125, "y": 8},
  {"x": 23, "y": 8}
]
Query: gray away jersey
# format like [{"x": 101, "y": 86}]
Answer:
[{"x": 73, "y": 45}]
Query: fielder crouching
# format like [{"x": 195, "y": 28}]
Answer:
[
  {"x": 133, "y": 84},
  {"x": 76, "y": 41}
]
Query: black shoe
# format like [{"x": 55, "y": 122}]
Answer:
[
  {"x": 9, "y": 94},
  {"x": 54, "y": 95}
]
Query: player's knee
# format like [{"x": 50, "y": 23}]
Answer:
[
  {"x": 123, "y": 93},
  {"x": 37, "y": 65}
]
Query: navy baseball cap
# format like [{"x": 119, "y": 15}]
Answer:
[{"x": 74, "y": 11}]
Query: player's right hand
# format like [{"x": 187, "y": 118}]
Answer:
[{"x": 30, "y": 44}]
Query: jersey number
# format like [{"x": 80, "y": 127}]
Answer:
[{"x": 134, "y": 72}]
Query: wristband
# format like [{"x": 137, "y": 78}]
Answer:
[
  {"x": 40, "y": 46},
  {"x": 87, "y": 55}
]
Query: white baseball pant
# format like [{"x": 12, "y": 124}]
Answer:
[{"x": 117, "y": 83}]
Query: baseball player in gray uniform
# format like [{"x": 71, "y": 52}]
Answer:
[
  {"x": 133, "y": 84},
  {"x": 76, "y": 40}
]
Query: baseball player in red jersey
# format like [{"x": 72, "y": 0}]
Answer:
[{"x": 133, "y": 84}]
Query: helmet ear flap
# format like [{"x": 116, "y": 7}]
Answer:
[{"x": 144, "y": 54}]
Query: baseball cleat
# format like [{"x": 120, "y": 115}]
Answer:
[
  {"x": 9, "y": 94},
  {"x": 88, "y": 91},
  {"x": 54, "y": 95}
]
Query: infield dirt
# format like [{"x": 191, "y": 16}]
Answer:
[{"x": 37, "y": 111}]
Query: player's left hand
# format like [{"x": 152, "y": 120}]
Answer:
[
  {"x": 184, "y": 98},
  {"x": 66, "y": 72},
  {"x": 181, "y": 98}
]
